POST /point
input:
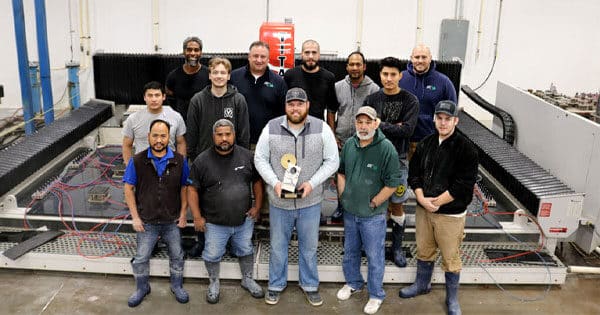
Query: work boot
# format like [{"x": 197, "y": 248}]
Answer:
[
  {"x": 177, "y": 288},
  {"x": 397, "y": 251},
  {"x": 422, "y": 283},
  {"x": 212, "y": 296},
  {"x": 452, "y": 281},
  {"x": 142, "y": 289},
  {"x": 248, "y": 283}
]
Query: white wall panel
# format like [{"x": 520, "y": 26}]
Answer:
[{"x": 541, "y": 41}]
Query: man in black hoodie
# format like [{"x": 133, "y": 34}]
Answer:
[
  {"x": 216, "y": 101},
  {"x": 442, "y": 173}
]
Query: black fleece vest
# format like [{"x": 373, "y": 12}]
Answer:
[{"x": 158, "y": 198}]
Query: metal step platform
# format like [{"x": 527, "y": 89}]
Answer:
[{"x": 111, "y": 253}]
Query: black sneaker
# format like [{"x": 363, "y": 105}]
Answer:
[
  {"x": 272, "y": 297},
  {"x": 314, "y": 298}
]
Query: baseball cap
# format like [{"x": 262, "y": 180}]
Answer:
[
  {"x": 366, "y": 110},
  {"x": 447, "y": 107},
  {"x": 295, "y": 94}
]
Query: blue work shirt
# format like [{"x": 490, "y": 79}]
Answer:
[{"x": 160, "y": 164}]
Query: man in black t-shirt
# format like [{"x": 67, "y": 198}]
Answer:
[
  {"x": 220, "y": 179},
  {"x": 183, "y": 82},
  {"x": 398, "y": 110},
  {"x": 318, "y": 83}
]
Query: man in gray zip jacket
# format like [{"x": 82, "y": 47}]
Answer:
[
  {"x": 309, "y": 144},
  {"x": 351, "y": 93}
]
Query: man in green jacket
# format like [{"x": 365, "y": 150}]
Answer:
[{"x": 368, "y": 175}]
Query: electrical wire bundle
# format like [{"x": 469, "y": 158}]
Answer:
[
  {"x": 483, "y": 210},
  {"x": 61, "y": 190}
]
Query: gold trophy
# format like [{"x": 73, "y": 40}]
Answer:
[{"x": 290, "y": 177}]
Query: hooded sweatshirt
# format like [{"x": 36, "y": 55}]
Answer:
[
  {"x": 350, "y": 99},
  {"x": 368, "y": 170},
  {"x": 205, "y": 109},
  {"x": 430, "y": 88}
]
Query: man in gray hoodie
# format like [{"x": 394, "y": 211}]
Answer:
[
  {"x": 216, "y": 101},
  {"x": 350, "y": 93}
]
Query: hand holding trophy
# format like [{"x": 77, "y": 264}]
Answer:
[{"x": 290, "y": 177}]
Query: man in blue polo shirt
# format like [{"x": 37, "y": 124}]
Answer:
[{"x": 155, "y": 191}]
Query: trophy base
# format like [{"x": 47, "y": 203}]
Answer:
[{"x": 291, "y": 194}]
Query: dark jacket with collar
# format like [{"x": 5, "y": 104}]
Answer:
[
  {"x": 451, "y": 166},
  {"x": 264, "y": 95}
]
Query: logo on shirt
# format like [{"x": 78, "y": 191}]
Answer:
[
  {"x": 238, "y": 168},
  {"x": 269, "y": 84},
  {"x": 228, "y": 112},
  {"x": 372, "y": 166},
  {"x": 431, "y": 87}
]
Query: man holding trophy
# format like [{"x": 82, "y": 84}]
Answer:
[{"x": 294, "y": 155}]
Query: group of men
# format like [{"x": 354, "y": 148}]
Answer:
[{"x": 298, "y": 145}]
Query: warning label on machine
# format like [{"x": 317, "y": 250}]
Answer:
[{"x": 545, "y": 209}]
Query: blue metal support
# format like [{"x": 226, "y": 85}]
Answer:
[
  {"x": 36, "y": 91},
  {"x": 42, "y": 41},
  {"x": 74, "y": 99},
  {"x": 21, "y": 42}
]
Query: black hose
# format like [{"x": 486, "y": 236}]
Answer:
[{"x": 508, "y": 124}]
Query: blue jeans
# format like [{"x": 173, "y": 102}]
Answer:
[
  {"x": 217, "y": 237},
  {"x": 369, "y": 234},
  {"x": 170, "y": 234},
  {"x": 306, "y": 220}
]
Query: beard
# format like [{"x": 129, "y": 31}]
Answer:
[
  {"x": 223, "y": 147},
  {"x": 355, "y": 75},
  {"x": 159, "y": 147},
  {"x": 192, "y": 62},
  {"x": 299, "y": 119},
  {"x": 310, "y": 67},
  {"x": 368, "y": 136}
]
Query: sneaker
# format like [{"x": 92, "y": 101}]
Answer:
[
  {"x": 272, "y": 297},
  {"x": 372, "y": 306},
  {"x": 346, "y": 292},
  {"x": 314, "y": 298}
]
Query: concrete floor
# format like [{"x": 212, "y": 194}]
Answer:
[{"x": 41, "y": 292}]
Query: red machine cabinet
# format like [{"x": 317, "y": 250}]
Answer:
[{"x": 280, "y": 37}]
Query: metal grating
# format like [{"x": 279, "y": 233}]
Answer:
[
  {"x": 331, "y": 254},
  {"x": 63, "y": 255}
]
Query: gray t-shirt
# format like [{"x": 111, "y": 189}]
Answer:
[{"x": 137, "y": 126}]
